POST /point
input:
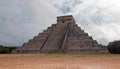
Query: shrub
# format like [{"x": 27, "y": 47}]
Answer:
[{"x": 114, "y": 47}]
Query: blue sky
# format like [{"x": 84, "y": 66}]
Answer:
[{"x": 20, "y": 20}]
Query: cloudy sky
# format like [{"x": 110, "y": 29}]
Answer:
[{"x": 20, "y": 20}]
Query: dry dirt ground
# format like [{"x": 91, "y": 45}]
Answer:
[{"x": 59, "y": 61}]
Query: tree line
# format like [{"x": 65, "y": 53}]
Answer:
[{"x": 5, "y": 49}]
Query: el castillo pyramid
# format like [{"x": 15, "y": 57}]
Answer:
[{"x": 63, "y": 37}]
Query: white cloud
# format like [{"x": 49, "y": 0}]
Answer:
[
  {"x": 107, "y": 32},
  {"x": 101, "y": 19},
  {"x": 65, "y": 6},
  {"x": 22, "y": 19}
]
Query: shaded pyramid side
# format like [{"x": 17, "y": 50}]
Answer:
[
  {"x": 55, "y": 40},
  {"x": 80, "y": 42},
  {"x": 34, "y": 45}
]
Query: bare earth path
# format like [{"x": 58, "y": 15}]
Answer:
[{"x": 59, "y": 61}]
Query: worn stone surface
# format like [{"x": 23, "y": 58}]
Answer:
[{"x": 63, "y": 37}]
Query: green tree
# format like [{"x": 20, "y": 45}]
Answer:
[
  {"x": 5, "y": 49},
  {"x": 114, "y": 47}
]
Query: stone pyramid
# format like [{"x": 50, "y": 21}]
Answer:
[{"x": 63, "y": 37}]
